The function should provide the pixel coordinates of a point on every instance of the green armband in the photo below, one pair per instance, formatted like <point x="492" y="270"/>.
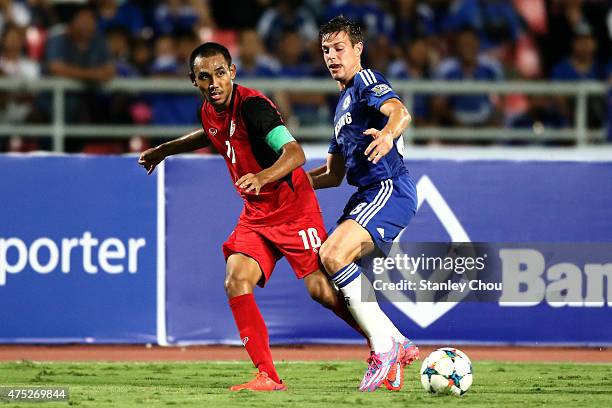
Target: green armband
<point x="278" y="137"/>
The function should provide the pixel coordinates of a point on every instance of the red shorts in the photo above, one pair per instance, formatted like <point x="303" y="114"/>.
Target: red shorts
<point x="298" y="241"/>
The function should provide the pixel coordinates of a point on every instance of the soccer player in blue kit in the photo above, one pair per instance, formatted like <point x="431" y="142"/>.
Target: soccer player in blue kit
<point x="367" y="148"/>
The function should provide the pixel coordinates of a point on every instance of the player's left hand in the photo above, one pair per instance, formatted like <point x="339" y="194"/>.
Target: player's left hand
<point x="382" y="144"/>
<point x="250" y="182"/>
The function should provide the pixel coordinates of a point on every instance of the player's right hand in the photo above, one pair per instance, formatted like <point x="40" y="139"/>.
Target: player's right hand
<point x="150" y="158"/>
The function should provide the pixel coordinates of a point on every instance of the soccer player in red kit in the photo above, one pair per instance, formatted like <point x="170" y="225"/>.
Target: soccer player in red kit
<point x="281" y="215"/>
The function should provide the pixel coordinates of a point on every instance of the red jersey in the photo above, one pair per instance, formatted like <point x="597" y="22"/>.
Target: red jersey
<point x="239" y="135"/>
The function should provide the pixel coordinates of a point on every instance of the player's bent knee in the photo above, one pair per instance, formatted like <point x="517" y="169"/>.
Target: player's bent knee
<point x="241" y="275"/>
<point x="333" y="258"/>
<point x="240" y="278"/>
<point x="236" y="286"/>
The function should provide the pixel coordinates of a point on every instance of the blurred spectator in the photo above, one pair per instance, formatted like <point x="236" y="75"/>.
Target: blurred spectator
<point x="141" y="56"/>
<point x="43" y="16"/>
<point x="378" y="53"/>
<point x="14" y="64"/>
<point x="299" y="108"/>
<point x="367" y="13"/>
<point x="564" y="18"/>
<point x="186" y="41"/>
<point x="43" y="13"/>
<point x="173" y="16"/>
<point x="169" y="108"/>
<point x="243" y="13"/>
<point x="414" y="64"/>
<point x="119" y="103"/>
<point x="558" y="39"/>
<point x="286" y="16"/>
<point x="80" y="53"/>
<point x="16" y="107"/>
<point x="165" y="62"/>
<point x="582" y="65"/>
<point x="422" y="19"/>
<point x="467" y="110"/>
<point x="413" y="19"/>
<point x="114" y="13"/>
<point x="292" y="56"/>
<point x="204" y="14"/>
<point x="14" y="12"/>
<point x="496" y="21"/>
<point x="118" y="40"/>
<point x="541" y="114"/>
<point x="253" y="61"/>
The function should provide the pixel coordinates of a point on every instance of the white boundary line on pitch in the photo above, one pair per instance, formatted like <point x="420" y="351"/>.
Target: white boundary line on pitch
<point x="162" y="339"/>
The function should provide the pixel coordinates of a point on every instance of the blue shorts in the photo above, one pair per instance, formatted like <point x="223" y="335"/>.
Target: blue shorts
<point x="383" y="209"/>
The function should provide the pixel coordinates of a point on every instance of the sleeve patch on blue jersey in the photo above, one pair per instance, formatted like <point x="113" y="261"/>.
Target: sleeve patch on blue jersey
<point x="381" y="89"/>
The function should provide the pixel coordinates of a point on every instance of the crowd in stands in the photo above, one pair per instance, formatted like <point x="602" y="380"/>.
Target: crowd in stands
<point x="489" y="40"/>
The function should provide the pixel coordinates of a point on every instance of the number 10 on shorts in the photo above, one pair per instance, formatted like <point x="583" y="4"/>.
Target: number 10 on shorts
<point x="310" y="238"/>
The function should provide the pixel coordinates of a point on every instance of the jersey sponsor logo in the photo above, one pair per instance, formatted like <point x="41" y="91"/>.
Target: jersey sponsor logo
<point x="344" y="120"/>
<point x="347" y="102"/>
<point x="381" y="89"/>
<point x="212" y="131"/>
<point x="232" y="128"/>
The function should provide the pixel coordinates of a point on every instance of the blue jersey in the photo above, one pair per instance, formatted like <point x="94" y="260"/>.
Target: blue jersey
<point x="358" y="109"/>
<point x="474" y="109"/>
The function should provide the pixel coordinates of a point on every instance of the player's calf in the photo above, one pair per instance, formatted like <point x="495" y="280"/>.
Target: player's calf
<point x="320" y="290"/>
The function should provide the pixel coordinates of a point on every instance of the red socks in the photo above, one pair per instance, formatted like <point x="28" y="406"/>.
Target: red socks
<point x="253" y="333"/>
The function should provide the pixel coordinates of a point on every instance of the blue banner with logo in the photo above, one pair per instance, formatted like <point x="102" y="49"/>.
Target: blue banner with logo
<point x="477" y="201"/>
<point x="78" y="253"/>
<point x="77" y="250"/>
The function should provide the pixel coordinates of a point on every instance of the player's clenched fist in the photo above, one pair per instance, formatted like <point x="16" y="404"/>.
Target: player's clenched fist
<point x="250" y="182"/>
<point x="150" y="158"/>
<point x="382" y="144"/>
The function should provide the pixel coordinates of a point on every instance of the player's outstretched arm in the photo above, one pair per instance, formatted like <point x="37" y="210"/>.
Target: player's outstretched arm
<point x="150" y="158"/>
<point x="330" y="174"/>
<point x="292" y="157"/>
<point x="399" y="118"/>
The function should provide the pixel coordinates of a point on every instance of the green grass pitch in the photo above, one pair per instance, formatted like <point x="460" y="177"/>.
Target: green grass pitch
<point x="311" y="384"/>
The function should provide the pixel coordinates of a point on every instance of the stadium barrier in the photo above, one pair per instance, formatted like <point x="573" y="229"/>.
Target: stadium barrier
<point x="59" y="130"/>
<point x="93" y="250"/>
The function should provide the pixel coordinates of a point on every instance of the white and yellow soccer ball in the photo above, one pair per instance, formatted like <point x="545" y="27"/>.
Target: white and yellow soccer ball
<point x="447" y="371"/>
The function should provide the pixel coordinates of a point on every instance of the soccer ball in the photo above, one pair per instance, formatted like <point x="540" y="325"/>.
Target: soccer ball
<point x="447" y="371"/>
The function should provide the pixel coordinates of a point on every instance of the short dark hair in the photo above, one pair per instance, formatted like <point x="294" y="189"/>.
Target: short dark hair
<point x="209" y="49"/>
<point x="342" y="24"/>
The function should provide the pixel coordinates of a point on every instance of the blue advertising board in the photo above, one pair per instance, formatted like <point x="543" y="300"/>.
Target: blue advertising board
<point x="486" y="201"/>
<point x="77" y="250"/>
<point x="79" y="260"/>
